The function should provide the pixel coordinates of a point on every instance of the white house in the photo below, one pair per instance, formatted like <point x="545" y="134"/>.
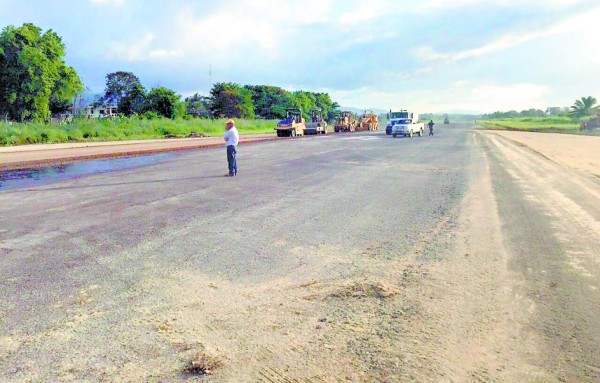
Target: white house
<point x="100" y="111"/>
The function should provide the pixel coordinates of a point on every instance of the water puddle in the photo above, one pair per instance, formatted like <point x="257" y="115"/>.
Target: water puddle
<point x="26" y="178"/>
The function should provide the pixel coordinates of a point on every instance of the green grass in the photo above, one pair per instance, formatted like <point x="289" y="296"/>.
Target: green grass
<point x="122" y="129"/>
<point x="534" y="124"/>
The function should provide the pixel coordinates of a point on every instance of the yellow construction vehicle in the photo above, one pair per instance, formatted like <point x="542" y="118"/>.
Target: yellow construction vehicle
<point x="317" y="124"/>
<point x="293" y="125"/>
<point x="346" y="122"/>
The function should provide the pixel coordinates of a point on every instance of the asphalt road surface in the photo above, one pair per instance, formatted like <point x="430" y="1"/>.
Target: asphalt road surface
<point x="354" y="257"/>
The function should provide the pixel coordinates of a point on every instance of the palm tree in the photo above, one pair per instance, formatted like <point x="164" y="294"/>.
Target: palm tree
<point x="584" y="107"/>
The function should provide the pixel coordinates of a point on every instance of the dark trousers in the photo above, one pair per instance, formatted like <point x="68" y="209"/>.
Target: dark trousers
<point x="431" y="131"/>
<point x="232" y="159"/>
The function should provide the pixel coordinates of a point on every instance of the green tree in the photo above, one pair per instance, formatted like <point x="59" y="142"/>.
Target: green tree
<point x="305" y="101"/>
<point x="584" y="107"/>
<point x="532" y="113"/>
<point x="269" y="101"/>
<point x="165" y="102"/>
<point x="557" y="111"/>
<point x="264" y="101"/>
<point x="33" y="74"/>
<point x="125" y="90"/>
<point x="231" y="100"/>
<point x="330" y="108"/>
<point x="197" y="105"/>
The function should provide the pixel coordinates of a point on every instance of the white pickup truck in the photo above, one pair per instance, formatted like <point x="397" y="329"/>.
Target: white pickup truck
<point x="406" y="124"/>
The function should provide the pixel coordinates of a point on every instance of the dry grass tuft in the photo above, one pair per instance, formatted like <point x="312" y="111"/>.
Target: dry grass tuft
<point x="379" y="290"/>
<point x="202" y="364"/>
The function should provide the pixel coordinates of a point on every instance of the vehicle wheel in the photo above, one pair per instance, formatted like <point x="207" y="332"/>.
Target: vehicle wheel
<point x="278" y="133"/>
<point x="394" y="135"/>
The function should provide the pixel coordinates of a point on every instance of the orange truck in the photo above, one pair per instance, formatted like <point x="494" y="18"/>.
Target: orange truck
<point x="369" y="121"/>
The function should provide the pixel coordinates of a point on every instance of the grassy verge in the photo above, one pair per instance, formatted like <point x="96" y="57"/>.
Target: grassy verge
<point x="122" y="129"/>
<point x="534" y="124"/>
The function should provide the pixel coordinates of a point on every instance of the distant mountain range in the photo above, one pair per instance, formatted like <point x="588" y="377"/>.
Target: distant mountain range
<point x="384" y="111"/>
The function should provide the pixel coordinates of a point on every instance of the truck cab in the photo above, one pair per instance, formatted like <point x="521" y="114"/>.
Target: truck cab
<point x="405" y="123"/>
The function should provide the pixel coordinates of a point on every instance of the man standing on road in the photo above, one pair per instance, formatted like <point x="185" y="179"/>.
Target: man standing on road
<point x="431" y="123"/>
<point x="231" y="137"/>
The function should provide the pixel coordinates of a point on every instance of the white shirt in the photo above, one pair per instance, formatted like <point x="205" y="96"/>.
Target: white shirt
<point x="232" y="137"/>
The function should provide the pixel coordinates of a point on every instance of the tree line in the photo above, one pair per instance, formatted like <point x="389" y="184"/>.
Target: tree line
<point x="125" y="90"/>
<point x="263" y="101"/>
<point x="582" y="108"/>
<point x="36" y="83"/>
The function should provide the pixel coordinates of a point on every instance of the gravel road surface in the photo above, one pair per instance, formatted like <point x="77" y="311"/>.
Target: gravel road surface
<point x="462" y="257"/>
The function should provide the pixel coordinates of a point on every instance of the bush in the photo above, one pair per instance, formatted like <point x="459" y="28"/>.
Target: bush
<point x="118" y="129"/>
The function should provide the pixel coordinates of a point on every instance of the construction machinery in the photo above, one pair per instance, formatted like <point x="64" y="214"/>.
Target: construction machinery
<point x="293" y="125"/>
<point x="369" y="121"/>
<point x="346" y="122"/>
<point x="317" y="124"/>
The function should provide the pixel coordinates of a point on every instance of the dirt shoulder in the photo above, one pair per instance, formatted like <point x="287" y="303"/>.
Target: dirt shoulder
<point x="550" y="218"/>
<point x="17" y="157"/>
<point x="578" y="152"/>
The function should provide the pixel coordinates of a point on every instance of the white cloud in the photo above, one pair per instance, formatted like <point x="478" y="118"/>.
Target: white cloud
<point x="115" y="2"/>
<point x="254" y="28"/>
<point x="587" y="22"/>
<point x="444" y="5"/>
<point x="131" y="51"/>
<point x="365" y="12"/>
<point x="482" y="98"/>
<point x="162" y="53"/>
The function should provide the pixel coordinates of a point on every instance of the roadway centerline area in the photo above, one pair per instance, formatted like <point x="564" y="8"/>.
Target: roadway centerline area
<point x="354" y="256"/>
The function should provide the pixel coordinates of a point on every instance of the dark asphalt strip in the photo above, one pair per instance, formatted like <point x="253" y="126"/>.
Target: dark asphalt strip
<point x="119" y="229"/>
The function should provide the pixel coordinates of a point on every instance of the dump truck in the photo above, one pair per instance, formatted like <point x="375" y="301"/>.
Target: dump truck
<point x="317" y="124"/>
<point x="369" y="121"/>
<point x="293" y="125"/>
<point x="405" y="123"/>
<point x="346" y="122"/>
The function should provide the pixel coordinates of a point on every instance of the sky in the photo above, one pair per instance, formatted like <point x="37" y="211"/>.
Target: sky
<point x="438" y="56"/>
